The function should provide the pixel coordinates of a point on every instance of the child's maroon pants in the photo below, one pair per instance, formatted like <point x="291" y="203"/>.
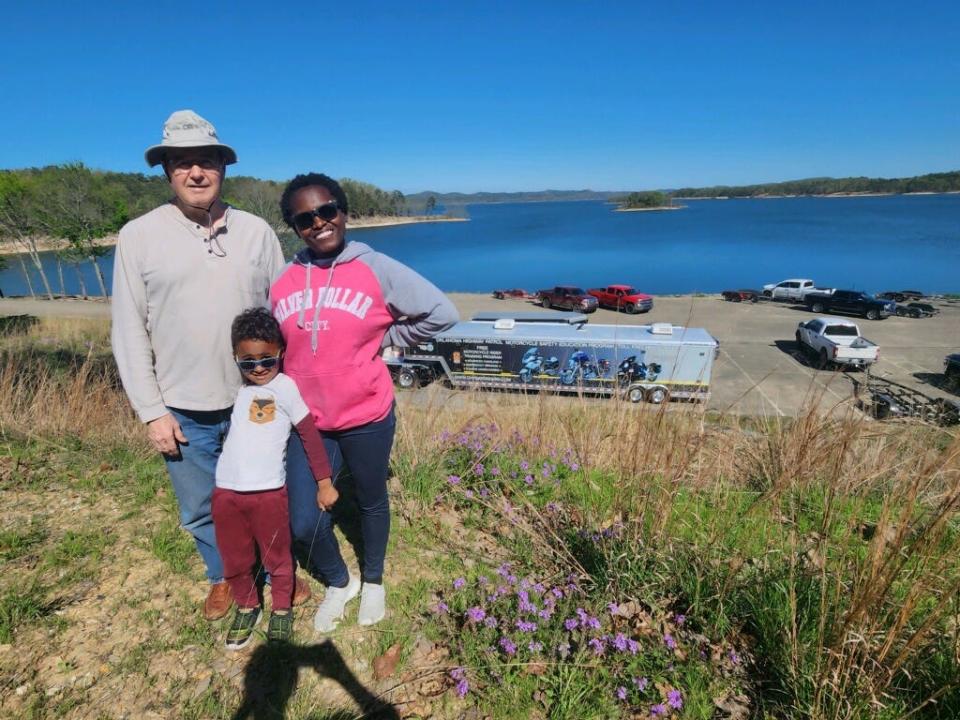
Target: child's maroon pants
<point x="244" y="521"/>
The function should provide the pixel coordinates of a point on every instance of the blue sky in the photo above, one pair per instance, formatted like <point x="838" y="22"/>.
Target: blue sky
<point x="471" y="96"/>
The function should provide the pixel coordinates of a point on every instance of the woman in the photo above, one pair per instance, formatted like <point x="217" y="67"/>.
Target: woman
<point x="339" y="304"/>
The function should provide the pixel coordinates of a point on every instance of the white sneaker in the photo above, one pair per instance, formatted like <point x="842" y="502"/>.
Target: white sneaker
<point x="331" y="609"/>
<point x="373" y="604"/>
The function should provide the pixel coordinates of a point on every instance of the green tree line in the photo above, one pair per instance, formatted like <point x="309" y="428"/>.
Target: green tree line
<point x="933" y="182"/>
<point x="69" y="207"/>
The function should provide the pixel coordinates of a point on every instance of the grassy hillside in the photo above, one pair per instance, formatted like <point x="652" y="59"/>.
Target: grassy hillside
<point x="550" y="558"/>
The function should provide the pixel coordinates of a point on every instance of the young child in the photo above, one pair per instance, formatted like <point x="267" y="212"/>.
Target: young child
<point x="250" y="499"/>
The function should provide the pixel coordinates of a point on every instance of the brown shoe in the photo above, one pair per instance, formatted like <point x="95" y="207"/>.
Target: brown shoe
<point x="219" y="601"/>
<point x="301" y="591"/>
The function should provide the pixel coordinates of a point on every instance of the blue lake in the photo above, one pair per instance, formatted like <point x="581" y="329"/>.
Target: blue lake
<point x="870" y="243"/>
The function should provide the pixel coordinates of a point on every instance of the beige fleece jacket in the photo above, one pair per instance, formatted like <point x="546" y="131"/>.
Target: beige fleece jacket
<point x="175" y="294"/>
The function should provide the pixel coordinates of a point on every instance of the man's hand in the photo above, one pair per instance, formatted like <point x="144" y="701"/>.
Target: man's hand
<point x="165" y="433"/>
<point x="326" y="494"/>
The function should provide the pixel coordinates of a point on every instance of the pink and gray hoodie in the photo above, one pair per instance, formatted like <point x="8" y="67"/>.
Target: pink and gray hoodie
<point x="337" y="314"/>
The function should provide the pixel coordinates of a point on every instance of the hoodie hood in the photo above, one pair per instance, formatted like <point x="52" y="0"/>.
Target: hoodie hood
<point x="350" y="251"/>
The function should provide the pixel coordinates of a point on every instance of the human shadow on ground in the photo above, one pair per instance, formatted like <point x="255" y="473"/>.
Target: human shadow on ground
<point x="16" y="324"/>
<point x="938" y="380"/>
<point x="273" y="673"/>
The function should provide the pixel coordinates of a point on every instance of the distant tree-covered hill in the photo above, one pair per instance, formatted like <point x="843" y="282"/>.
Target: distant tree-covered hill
<point x="421" y="200"/>
<point x="934" y="182"/>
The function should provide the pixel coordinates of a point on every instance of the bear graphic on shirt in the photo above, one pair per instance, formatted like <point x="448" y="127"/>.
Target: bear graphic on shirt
<point x="263" y="410"/>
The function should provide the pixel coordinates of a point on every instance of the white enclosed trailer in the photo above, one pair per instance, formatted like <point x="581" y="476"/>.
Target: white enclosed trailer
<point x="562" y="352"/>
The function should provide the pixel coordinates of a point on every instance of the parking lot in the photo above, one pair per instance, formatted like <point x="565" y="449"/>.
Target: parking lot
<point x="760" y="370"/>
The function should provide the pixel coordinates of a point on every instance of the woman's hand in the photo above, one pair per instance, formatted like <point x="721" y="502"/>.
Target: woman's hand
<point x="327" y="494"/>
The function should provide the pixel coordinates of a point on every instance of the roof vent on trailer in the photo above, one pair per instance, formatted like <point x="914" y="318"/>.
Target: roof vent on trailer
<point x="661" y="329"/>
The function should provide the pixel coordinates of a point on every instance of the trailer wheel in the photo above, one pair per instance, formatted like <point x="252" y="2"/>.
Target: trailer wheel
<point x="545" y="302"/>
<point x="407" y="379"/>
<point x="817" y="307"/>
<point x="657" y="395"/>
<point x="873" y="314"/>
<point x="635" y="394"/>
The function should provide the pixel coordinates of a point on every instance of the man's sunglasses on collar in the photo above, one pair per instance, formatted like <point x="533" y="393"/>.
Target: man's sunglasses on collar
<point x="326" y="212"/>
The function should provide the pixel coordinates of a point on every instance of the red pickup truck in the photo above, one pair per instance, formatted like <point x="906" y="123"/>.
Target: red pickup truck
<point x="568" y="297"/>
<point x="623" y="297"/>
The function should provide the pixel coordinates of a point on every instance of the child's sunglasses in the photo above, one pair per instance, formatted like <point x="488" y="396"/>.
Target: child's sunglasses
<point x="326" y="212"/>
<point x="267" y="363"/>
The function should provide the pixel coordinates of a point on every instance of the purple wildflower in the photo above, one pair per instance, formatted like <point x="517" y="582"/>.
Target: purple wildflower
<point x="675" y="699"/>
<point x="669" y="641"/>
<point x="641" y="683"/>
<point x="476" y="614"/>
<point x="524" y="465"/>
<point x="597" y="645"/>
<point x="613" y="608"/>
<point x="508" y="646"/>
<point x="442" y="608"/>
<point x="528" y="479"/>
<point x="620" y="642"/>
<point x="458" y="673"/>
<point x="490" y="621"/>
<point x="621" y="693"/>
<point x="534" y="646"/>
<point x="658" y="709"/>
<point x="574" y="467"/>
<point x="538" y="588"/>
<point x="482" y="580"/>
<point x="504" y="570"/>
<point x="557" y="593"/>
<point x="478" y="469"/>
<point x="468" y="494"/>
<point x="734" y="658"/>
<point x="633" y="646"/>
<point x="494" y="471"/>
<point x="546" y="613"/>
<point x="484" y="492"/>
<point x="680" y="619"/>
<point x="552" y="507"/>
<point x="593" y="622"/>
<point x="453" y="479"/>
<point x="463" y="687"/>
<point x="459" y="583"/>
<point x="570" y="624"/>
<point x="524" y="626"/>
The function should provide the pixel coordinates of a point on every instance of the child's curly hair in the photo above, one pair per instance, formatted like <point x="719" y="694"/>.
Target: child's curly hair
<point x="255" y="324"/>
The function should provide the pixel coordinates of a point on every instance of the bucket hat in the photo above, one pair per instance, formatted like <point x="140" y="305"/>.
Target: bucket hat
<point x="186" y="129"/>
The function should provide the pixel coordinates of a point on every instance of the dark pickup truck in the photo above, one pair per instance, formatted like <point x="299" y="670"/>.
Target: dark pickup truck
<point x="854" y="302"/>
<point x="569" y="297"/>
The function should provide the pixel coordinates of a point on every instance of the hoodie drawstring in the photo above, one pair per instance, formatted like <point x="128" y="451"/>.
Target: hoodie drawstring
<point x="316" y="307"/>
<point x="303" y="305"/>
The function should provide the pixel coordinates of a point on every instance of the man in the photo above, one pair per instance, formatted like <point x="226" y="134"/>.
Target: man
<point x="182" y="272"/>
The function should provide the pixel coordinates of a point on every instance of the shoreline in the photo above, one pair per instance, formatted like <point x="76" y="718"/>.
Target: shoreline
<point x="12" y="248"/>
<point x="767" y="196"/>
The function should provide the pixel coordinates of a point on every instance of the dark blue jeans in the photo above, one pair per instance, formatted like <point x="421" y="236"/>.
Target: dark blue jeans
<point x="192" y="474"/>
<point x="365" y="451"/>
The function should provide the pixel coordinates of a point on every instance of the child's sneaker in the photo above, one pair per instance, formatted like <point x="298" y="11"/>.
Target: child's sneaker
<point x="373" y="604"/>
<point x="280" y="628"/>
<point x="331" y="609"/>
<point x="241" y="631"/>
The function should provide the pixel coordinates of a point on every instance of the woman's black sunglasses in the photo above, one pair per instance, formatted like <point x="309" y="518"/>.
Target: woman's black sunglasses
<point x="266" y="363"/>
<point x="326" y="212"/>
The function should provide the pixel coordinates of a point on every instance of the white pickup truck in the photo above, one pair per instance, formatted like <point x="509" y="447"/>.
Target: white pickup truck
<point x="836" y="342"/>
<point x="795" y="289"/>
